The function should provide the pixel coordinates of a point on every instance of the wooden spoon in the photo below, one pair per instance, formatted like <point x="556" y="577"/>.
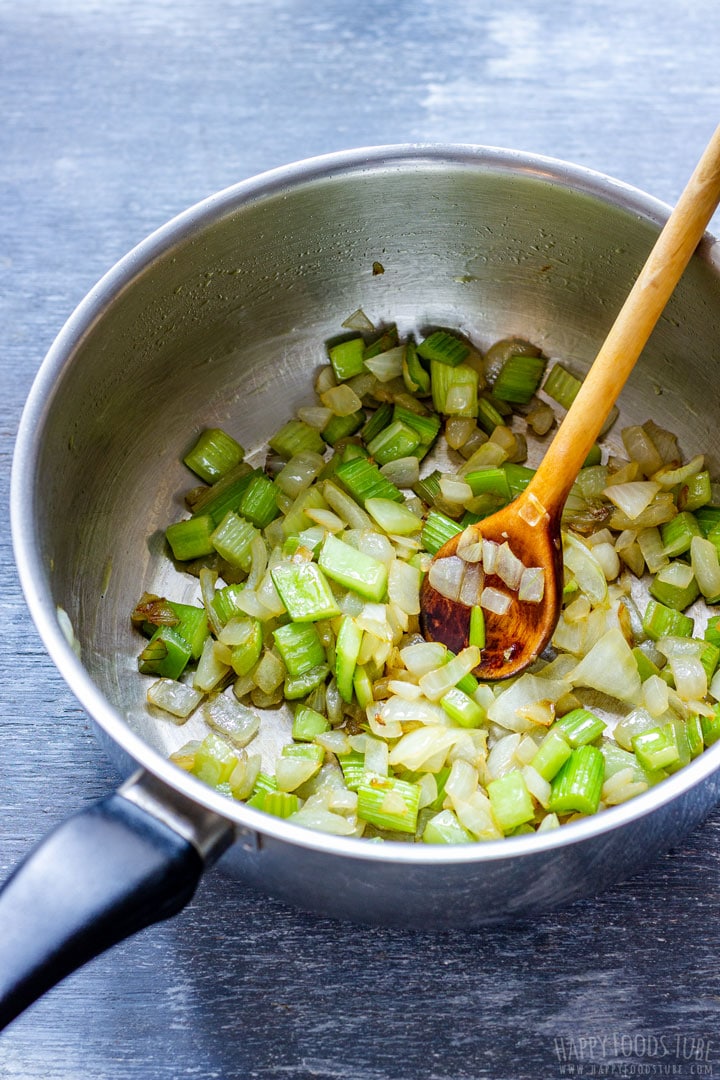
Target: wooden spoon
<point x="531" y="524"/>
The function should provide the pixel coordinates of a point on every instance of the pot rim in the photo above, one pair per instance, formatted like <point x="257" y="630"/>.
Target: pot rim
<point x="28" y="557"/>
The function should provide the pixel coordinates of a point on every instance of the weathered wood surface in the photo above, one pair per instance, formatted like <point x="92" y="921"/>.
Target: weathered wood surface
<point x="115" y="117"/>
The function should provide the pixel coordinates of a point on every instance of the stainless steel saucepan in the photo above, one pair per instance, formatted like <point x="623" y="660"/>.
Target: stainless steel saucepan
<point x="219" y="318"/>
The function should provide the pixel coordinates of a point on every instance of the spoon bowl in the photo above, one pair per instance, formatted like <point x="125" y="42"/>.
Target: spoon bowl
<point x="531" y="526"/>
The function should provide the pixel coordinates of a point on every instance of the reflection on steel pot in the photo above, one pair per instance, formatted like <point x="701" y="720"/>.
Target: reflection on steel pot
<point x="218" y="319"/>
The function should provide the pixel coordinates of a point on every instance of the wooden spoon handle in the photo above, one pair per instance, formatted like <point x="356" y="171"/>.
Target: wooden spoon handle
<point x="630" y="331"/>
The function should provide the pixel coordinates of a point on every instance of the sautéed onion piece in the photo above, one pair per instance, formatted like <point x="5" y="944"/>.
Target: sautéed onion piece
<point x="309" y="564"/>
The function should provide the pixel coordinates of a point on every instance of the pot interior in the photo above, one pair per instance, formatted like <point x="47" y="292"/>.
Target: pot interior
<point x="221" y="320"/>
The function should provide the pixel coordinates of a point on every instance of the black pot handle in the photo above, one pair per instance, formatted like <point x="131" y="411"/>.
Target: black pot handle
<point x="97" y="878"/>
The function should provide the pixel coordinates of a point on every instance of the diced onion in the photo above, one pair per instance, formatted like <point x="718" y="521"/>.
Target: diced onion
<point x="493" y="600"/>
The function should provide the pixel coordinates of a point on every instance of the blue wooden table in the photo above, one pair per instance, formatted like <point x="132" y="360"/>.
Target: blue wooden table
<point x="113" y="117"/>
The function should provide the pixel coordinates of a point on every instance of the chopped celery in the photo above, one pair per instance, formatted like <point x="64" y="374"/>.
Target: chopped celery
<point x="389" y="804"/>
<point x="519" y="378"/>
<point x="711" y="727"/>
<point x="363" y="480"/>
<point x="259" y="502"/>
<point x="415" y="377"/>
<point x="393" y="442"/>
<point x="353" y="569"/>
<point x="577" y="786"/>
<point x="233" y="538"/>
<point x="580" y="726"/>
<point x="476" y="635"/>
<point x="225" y="494"/>
<point x="347" y="358"/>
<point x="167" y="653"/>
<point x="347" y="650"/>
<point x="462" y="709"/>
<point x="677" y="533"/>
<point x="245" y="652"/>
<point x="660" y="621"/>
<point x="214" y="454"/>
<point x="562" y="386"/>
<point x="656" y="747"/>
<point x="353" y="767"/>
<point x="488" y="416"/>
<point x="553" y="752"/>
<point x="437" y="530"/>
<point x="225" y="602"/>
<point x="304" y="591"/>
<point x="444" y="348"/>
<point x="307" y="723"/>
<point x="300" y="647"/>
<point x="377" y="422"/>
<point x="454" y="389"/>
<point x="215" y="760"/>
<point x="444" y="828"/>
<point x="342" y="427"/>
<point x="492" y="480"/>
<point x="299" y="686"/>
<point x="278" y="803"/>
<point x="511" y="801"/>
<point x="294" y="437"/>
<point x="191" y="538"/>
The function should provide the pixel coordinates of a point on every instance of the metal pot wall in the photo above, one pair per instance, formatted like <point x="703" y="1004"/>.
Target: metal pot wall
<point x="219" y="318"/>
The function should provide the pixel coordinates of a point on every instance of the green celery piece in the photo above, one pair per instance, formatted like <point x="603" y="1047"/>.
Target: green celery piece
<point x="576" y="788"/>
<point x="444" y="828"/>
<point x="353" y="569"/>
<point x="694" y="735"/>
<point x="305" y="592"/>
<point x="428" y="488"/>
<point x="300" y="646"/>
<point x="580" y="727"/>
<point x="454" y="389"/>
<point x="192" y="625"/>
<point x="308" y="751"/>
<point x="215" y="760"/>
<point x="444" y="348"/>
<point x="697" y="492"/>
<point x="646" y="667"/>
<point x="278" y="803"/>
<point x="377" y="422"/>
<point x="427" y="425"/>
<point x="656" y="748"/>
<point x="415" y="377"/>
<point x="489" y="481"/>
<point x="518" y="477"/>
<point x="342" y="427"/>
<point x="166" y="654"/>
<point x="660" y="621"/>
<point x="476" y="634"/>
<point x="224" y="602"/>
<point x="519" y="378"/>
<point x="214" y="454"/>
<point x="594" y="456"/>
<point x="307" y="724"/>
<point x="395" y="441"/>
<point x="191" y="538"/>
<point x="462" y="709"/>
<point x="682" y="742"/>
<point x="711" y="727"/>
<point x="387" y="340"/>
<point x="245" y="654"/>
<point x="232" y="539"/>
<point x="488" y="416"/>
<point x="295" y="436"/>
<point x="353" y="767"/>
<point x="712" y="630"/>
<point x="437" y="530"/>
<point x="552" y="753"/>
<point x="441" y="779"/>
<point x="674" y="596"/>
<point x="363" y="480"/>
<point x="225" y="494"/>
<point x="677" y="533"/>
<point x="299" y="686"/>
<point x="511" y="801"/>
<point x="709" y="657"/>
<point x="363" y="687"/>
<point x="347" y="650"/>
<point x="708" y="518"/>
<point x="347" y="358"/>
<point x="562" y="386"/>
<point x="263" y="783"/>
<point x="296" y="520"/>
<point x="259" y="502"/>
<point x="372" y="804"/>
